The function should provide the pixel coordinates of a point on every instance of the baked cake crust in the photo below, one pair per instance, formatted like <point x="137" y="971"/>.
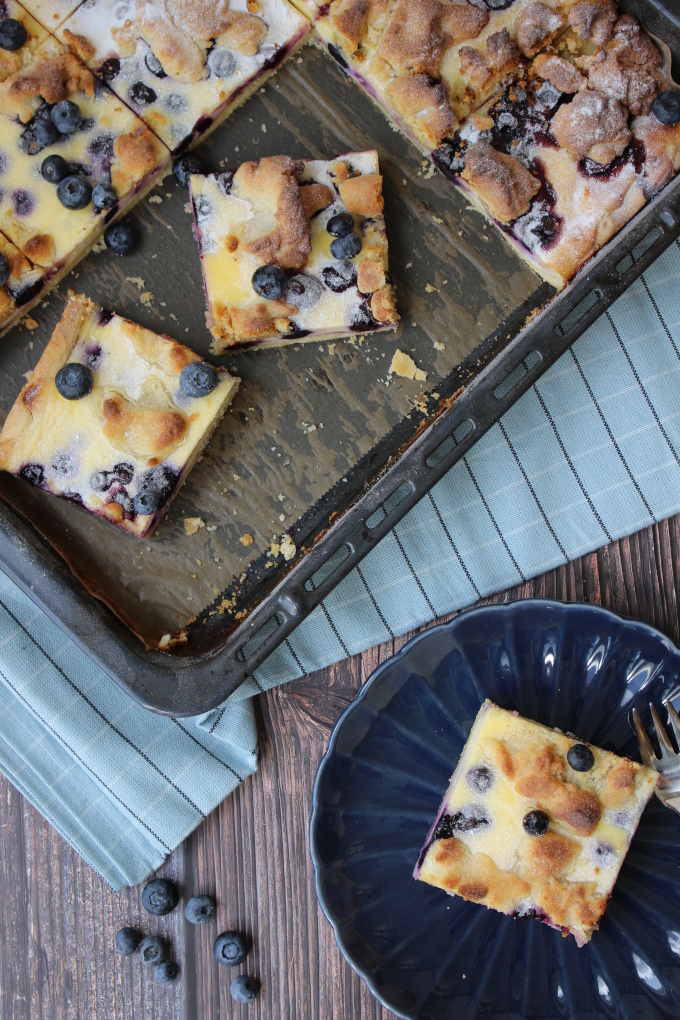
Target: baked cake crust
<point x="275" y="212"/>
<point x="526" y="829"/>
<point x="135" y="429"/>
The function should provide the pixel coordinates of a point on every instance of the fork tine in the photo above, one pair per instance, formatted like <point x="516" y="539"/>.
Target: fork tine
<point x="664" y="742"/>
<point x="646" y="749"/>
<point x="674" y="719"/>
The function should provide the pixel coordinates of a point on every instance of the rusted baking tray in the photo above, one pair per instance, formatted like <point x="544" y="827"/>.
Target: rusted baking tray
<point x="321" y="443"/>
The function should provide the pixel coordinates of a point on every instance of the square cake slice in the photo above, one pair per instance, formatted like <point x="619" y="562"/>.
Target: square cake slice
<point x="55" y="219"/>
<point x="293" y="249"/>
<point x="535" y="823"/>
<point x="428" y="63"/>
<point x="567" y="152"/>
<point x="183" y="65"/>
<point x="113" y="416"/>
<point x="51" y="13"/>
<point x="21" y="284"/>
<point x="20" y="35"/>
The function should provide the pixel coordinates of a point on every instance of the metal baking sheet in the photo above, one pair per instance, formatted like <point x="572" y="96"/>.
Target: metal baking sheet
<point x="316" y="428"/>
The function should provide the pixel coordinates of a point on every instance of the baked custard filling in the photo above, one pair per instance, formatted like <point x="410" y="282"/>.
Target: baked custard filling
<point x="293" y="249"/>
<point x="535" y="823"/>
<point x="113" y="417"/>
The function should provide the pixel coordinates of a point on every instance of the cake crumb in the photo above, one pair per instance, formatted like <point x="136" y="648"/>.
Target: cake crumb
<point x="165" y="641"/>
<point x="155" y="199"/>
<point x="146" y="298"/>
<point x="246" y="539"/>
<point x="439" y="346"/>
<point x="429" y="288"/>
<point x="137" y="281"/>
<point x="99" y="245"/>
<point x="211" y="527"/>
<point x="30" y="323"/>
<point x="274" y="549"/>
<point x="404" y="365"/>
<point x="287" y="547"/>
<point x="192" y="524"/>
<point x="331" y="349"/>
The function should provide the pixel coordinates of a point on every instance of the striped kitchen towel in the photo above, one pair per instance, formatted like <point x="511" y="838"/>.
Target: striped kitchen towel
<point x="589" y="454"/>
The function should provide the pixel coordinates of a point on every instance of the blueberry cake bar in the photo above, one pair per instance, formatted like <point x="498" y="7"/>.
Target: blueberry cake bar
<point x="113" y="417"/>
<point x="20" y="35"/>
<point x="183" y="65"/>
<point x="535" y="823"/>
<point x="428" y="63"/>
<point x="72" y="156"/>
<point x="293" y="249"/>
<point x="51" y="13"/>
<point x="20" y="283"/>
<point x="571" y="148"/>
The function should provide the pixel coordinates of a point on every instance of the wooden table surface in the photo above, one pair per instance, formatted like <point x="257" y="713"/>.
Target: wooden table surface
<point x="58" y="919"/>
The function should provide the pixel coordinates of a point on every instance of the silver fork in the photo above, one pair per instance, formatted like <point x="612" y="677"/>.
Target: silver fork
<point x="668" y="764"/>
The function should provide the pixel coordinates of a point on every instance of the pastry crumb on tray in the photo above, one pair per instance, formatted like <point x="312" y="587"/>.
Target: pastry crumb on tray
<point x="403" y="365"/>
<point x="293" y="249"/>
<point x="535" y="823"/>
<point x="113" y="417"/>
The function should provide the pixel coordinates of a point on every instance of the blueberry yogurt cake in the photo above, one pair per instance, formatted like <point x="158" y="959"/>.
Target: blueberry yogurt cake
<point x="293" y="249"/>
<point x="113" y="417"/>
<point x="72" y="156"/>
<point x="535" y="823"/>
<point x="20" y="283"/>
<point x="20" y="35"/>
<point x="183" y="65"/>
<point x="575" y="143"/>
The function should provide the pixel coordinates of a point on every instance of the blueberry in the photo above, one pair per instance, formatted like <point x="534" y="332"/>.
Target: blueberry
<point x="230" y="948"/>
<point x="45" y="133"/>
<point x="199" y="909"/>
<point x="339" y="278"/>
<point x="28" y="143"/>
<point x="100" y="481"/>
<point x="340" y="225"/>
<point x="44" y="112"/>
<point x="154" y="65"/>
<point x="580" y="757"/>
<point x="153" y="951"/>
<point x="536" y="823"/>
<point x="141" y="94"/>
<point x="166" y="972"/>
<point x="198" y="379"/>
<point x="33" y="474"/>
<point x="203" y="207"/>
<point x="110" y="69"/>
<point x="479" y="778"/>
<point x="469" y="818"/>
<point x="13" y="34"/>
<point x="498" y="5"/>
<point x="666" y="107"/>
<point x="74" y="192"/>
<point x="222" y="63"/>
<point x="244" y="988"/>
<point x="23" y="202"/>
<point x="184" y="166"/>
<point x="304" y="291"/>
<point x="127" y="941"/>
<point x="66" y="116"/>
<point x="346" y="247"/>
<point x="64" y="464"/>
<point x="123" y="473"/>
<point x="270" y="282"/>
<point x="160" y="896"/>
<point x="74" y="381"/>
<point x="104" y="196"/>
<point x="4" y="270"/>
<point x="147" y="501"/>
<point x="225" y="181"/>
<point x="54" y="169"/>
<point x="120" y="238"/>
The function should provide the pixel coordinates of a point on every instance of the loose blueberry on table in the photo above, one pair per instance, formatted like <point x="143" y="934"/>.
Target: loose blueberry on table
<point x="127" y="941"/>
<point x="244" y="989"/>
<point x="199" y="909"/>
<point x="120" y="238"/>
<point x="160" y="896"/>
<point x="153" y="951"/>
<point x="230" y="948"/>
<point x="166" y="972"/>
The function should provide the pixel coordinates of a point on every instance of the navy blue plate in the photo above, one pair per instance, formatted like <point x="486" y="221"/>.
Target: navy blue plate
<point x="430" y="956"/>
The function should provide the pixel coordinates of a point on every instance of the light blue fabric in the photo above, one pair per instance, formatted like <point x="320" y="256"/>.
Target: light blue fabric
<point x="589" y="454"/>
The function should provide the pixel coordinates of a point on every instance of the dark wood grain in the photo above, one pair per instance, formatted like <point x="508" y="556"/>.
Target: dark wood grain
<point x="58" y="919"/>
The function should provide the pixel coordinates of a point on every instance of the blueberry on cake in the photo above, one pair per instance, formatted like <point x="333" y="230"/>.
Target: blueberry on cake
<point x="293" y="249"/>
<point x="573" y="145"/>
<point x="72" y="156"/>
<point x="113" y="417"/>
<point x="183" y="65"/>
<point x="535" y="823"/>
<point x="20" y="284"/>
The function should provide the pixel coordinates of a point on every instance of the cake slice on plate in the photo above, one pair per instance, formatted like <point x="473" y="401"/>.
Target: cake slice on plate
<point x="113" y="417"/>
<point x="183" y="65"/>
<point x="293" y="249"/>
<point x="535" y="823"/>
<point x="72" y="157"/>
<point x="20" y="284"/>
